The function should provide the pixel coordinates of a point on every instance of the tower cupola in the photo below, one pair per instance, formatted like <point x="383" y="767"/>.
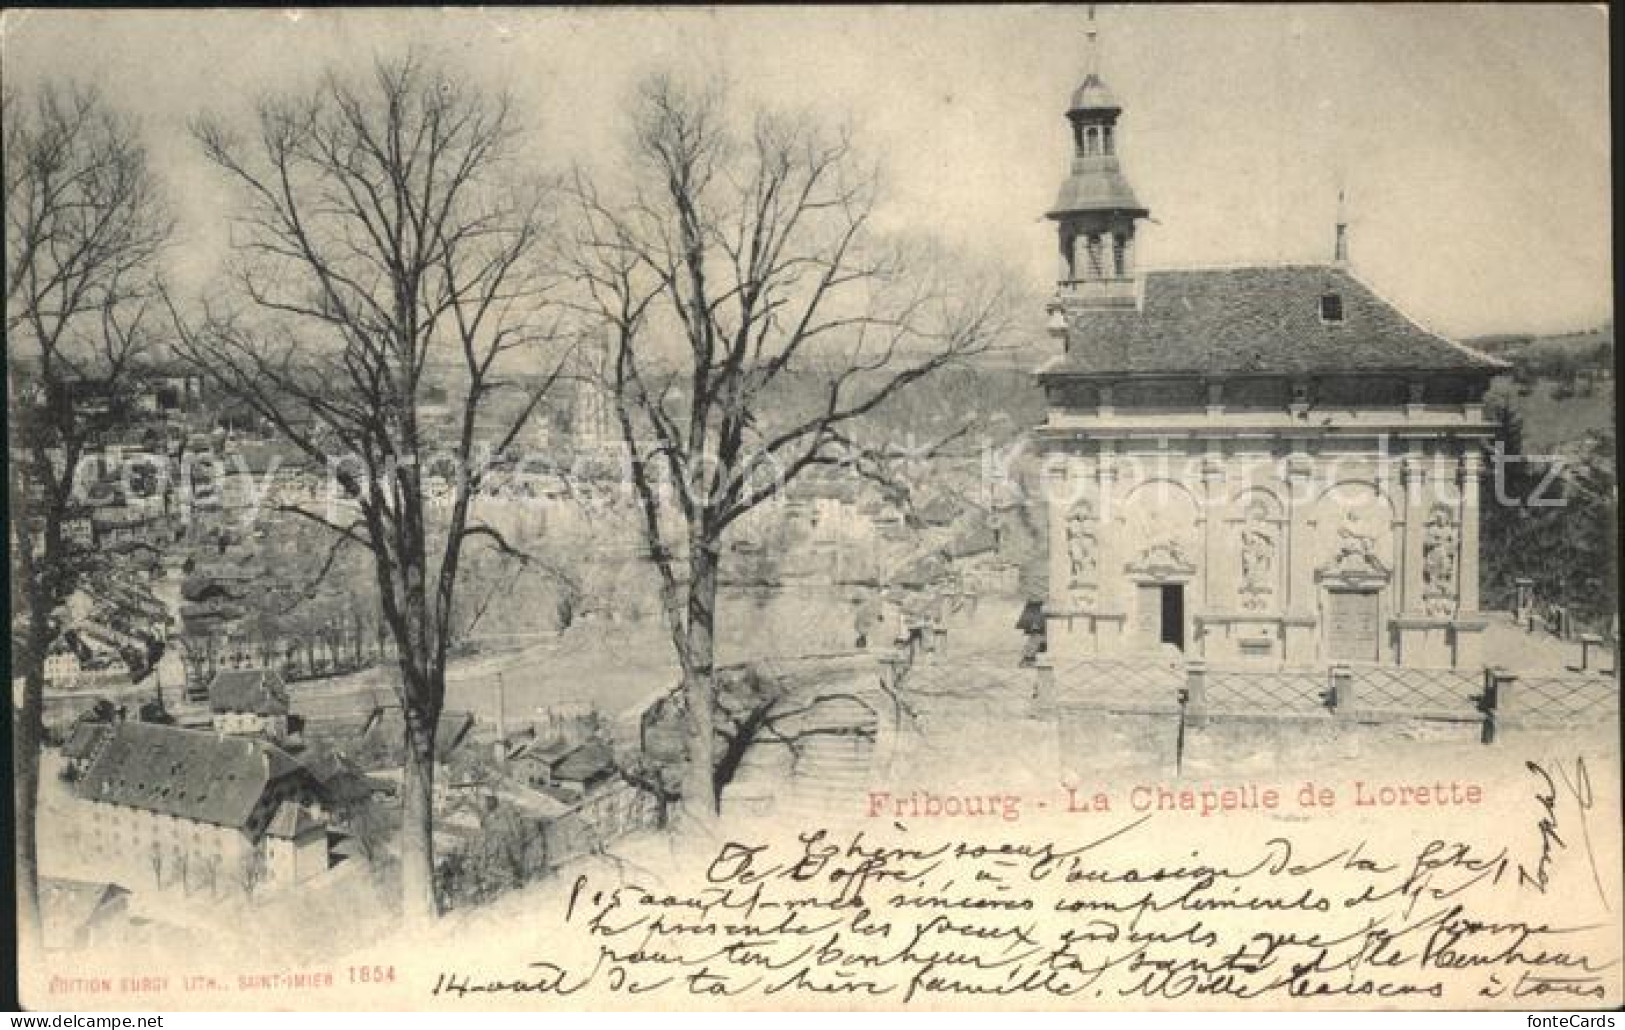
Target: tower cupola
<point x="1096" y="209"/>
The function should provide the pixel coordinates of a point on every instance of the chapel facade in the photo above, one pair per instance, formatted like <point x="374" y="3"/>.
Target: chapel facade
<point x="1267" y="466"/>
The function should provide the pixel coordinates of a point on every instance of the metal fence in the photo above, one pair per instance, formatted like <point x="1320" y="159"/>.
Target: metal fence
<point x="1549" y="701"/>
<point x="1439" y="693"/>
<point x="1298" y="692"/>
<point x="1496" y="698"/>
<point x="1110" y="684"/>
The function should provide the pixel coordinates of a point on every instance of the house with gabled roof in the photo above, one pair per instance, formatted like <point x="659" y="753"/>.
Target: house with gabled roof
<point x="84" y="744"/>
<point x="1267" y="465"/>
<point x="200" y="811"/>
<point x="76" y="914"/>
<point x="249" y="702"/>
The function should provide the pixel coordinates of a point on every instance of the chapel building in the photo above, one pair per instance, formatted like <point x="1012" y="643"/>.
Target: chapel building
<point x="1268" y="466"/>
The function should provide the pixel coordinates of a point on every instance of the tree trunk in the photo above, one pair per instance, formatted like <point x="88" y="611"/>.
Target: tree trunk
<point x="700" y="801"/>
<point x="418" y="901"/>
<point x="25" y="774"/>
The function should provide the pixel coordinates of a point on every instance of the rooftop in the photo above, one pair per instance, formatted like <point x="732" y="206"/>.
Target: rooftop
<point x="1095" y="183"/>
<point x="388" y="723"/>
<point x="68" y="907"/>
<point x="87" y="737"/>
<point x="260" y="691"/>
<point x="586" y="763"/>
<point x="190" y="774"/>
<point x="1264" y="320"/>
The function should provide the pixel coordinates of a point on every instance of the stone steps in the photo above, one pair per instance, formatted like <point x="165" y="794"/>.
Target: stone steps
<point x="831" y="773"/>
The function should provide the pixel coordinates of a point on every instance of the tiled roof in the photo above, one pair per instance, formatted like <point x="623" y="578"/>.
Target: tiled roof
<point x="549" y="754"/>
<point x="260" y="691"/>
<point x="342" y="780"/>
<point x="187" y="773"/>
<point x="1257" y="320"/>
<point x="534" y="802"/>
<point x="585" y="763"/>
<point x="87" y="737"/>
<point x="453" y="728"/>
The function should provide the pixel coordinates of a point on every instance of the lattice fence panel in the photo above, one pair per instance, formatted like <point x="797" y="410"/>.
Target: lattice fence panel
<point x="1119" y="682"/>
<point x="1561" y="700"/>
<point x="1262" y="692"/>
<point x="1402" y="689"/>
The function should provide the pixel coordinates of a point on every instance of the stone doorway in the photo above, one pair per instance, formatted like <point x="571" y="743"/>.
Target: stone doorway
<point x="1172" y="602"/>
<point x="1352" y="626"/>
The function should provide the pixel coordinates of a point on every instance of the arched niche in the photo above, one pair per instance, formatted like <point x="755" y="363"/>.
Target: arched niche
<point x="1157" y="522"/>
<point x="1352" y="513"/>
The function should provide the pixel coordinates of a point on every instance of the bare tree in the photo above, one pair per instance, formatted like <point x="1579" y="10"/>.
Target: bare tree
<point x="84" y="224"/>
<point x="387" y="244"/>
<point x="755" y="318"/>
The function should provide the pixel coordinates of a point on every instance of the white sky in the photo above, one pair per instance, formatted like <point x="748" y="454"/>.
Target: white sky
<point x="1473" y="141"/>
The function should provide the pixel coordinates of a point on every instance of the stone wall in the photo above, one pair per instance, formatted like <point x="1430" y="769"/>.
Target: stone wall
<point x="1257" y="536"/>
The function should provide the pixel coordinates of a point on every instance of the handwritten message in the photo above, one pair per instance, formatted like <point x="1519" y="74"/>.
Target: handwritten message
<point x="1117" y="913"/>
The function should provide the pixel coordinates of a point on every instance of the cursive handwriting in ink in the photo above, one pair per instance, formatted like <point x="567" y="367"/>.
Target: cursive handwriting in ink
<point x="828" y="919"/>
<point x="1546" y="796"/>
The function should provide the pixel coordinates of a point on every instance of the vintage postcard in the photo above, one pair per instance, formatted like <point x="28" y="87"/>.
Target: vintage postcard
<point x="894" y="508"/>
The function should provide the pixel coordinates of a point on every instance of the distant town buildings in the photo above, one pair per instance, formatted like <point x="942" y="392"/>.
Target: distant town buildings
<point x="249" y="702"/>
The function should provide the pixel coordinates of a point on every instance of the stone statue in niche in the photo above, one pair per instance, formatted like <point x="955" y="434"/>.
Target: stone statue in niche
<point x="1355" y="561"/>
<point x="1439" y="540"/>
<point x="1257" y="566"/>
<point x="1352" y="541"/>
<point x="1081" y="544"/>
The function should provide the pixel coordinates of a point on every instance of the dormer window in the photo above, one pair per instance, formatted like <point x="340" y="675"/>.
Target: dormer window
<point x="1331" y="308"/>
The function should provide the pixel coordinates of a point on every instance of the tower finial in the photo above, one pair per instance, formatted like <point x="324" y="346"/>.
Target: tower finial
<point x="1340" y="251"/>
<point x="1092" y="65"/>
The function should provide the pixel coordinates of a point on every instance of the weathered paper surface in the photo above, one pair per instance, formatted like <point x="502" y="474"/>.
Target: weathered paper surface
<point x="1202" y="794"/>
<point x="1338" y="896"/>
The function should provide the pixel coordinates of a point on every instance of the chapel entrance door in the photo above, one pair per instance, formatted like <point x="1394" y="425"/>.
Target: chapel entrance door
<point x="1352" y="625"/>
<point x="1173" y="615"/>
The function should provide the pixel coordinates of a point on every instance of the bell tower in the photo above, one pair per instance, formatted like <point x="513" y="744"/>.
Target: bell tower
<point x="1096" y="211"/>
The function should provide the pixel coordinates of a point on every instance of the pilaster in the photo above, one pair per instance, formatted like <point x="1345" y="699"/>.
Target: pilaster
<point x="1468" y="631"/>
<point x="1299" y="605"/>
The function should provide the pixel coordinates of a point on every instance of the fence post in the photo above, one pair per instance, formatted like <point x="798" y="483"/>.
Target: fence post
<point x="1587" y="642"/>
<point x="1196" y="693"/>
<point x="1342" y="691"/>
<point x="1043" y="683"/>
<point x="1498" y="691"/>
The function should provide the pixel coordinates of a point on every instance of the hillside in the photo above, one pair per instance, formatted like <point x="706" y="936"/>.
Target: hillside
<point x="1552" y="421"/>
<point x="1556" y="356"/>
